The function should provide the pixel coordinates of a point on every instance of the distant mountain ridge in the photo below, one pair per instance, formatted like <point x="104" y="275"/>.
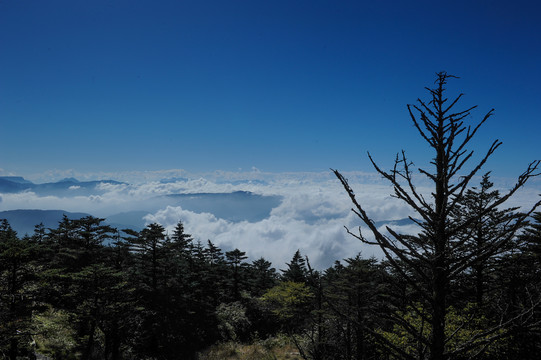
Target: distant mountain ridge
<point x="234" y="206"/>
<point x="16" y="179"/>
<point x="67" y="186"/>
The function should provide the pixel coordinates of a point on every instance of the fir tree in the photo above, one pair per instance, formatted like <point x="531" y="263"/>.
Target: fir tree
<point x="428" y="262"/>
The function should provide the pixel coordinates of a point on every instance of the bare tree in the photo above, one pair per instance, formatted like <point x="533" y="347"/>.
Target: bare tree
<point x="429" y="261"/>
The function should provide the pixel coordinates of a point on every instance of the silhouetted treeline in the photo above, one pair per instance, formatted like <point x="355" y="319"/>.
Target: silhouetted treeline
<point x="85" y="290"/>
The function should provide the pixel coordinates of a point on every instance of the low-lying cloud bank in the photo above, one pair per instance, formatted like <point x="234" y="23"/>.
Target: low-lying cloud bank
<point x="310" y="214"/>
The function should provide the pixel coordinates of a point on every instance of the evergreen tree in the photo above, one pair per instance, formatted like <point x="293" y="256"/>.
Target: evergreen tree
<point x="180" y="241"/>
<point x="17" y="294"/>
<point x="118" y="300"/>
<point x="431" y="261"/>
<point x="39" y="233"/>
<point x="531" y="244"/>
<point x="519" y="285"/>
<point x="84" y="281"/>
<point x="213" y="276"/>
<point x="355" y="295"/>
<point x="237" y="268"/>
<point x="296" y="269"/>
<point x="149" y="280"/>
<point x="263" y="276"/>
<point x="485" y="238"/>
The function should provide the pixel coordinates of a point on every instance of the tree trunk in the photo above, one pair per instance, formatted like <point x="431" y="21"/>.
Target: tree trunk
<point x="90" y="343"/>
<point x="437" y="346"/>
<point x="439" y="277"/>
<point x="13" y="348"/>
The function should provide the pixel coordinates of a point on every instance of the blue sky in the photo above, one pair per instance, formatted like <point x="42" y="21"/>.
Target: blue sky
<point x="277" y="85"/>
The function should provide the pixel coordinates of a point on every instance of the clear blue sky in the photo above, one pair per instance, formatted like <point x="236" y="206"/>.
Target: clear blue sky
<point x="279" y="85"/>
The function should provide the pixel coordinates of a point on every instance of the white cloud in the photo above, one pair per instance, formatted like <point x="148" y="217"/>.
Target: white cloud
<point x="311" y="216"/>
<point x="275" y="238"/>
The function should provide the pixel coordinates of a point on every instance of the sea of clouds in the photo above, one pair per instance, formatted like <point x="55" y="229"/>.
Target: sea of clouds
<point x="311" y="216"/>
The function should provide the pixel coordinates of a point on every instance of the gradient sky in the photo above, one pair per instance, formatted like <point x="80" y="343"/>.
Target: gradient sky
<point x="277" y="85"/>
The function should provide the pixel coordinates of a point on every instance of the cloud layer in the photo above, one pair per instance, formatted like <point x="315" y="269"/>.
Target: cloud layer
<point x="311" y="215"/>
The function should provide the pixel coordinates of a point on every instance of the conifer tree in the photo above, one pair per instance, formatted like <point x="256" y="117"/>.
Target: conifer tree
<point x="296" y="271"/>
<point x="148" y="275"/>
<point x="263" y="276"/>
<point x="237" y="267"/>
<point x="531" y="242"/>
<point x="487" y="229"/>
<point x="431" y="261"/>
<point x="354" y="294"/>
<point x="86" y="281"/>
<point x="17" y="274"/>
<point x="214" y="279"/>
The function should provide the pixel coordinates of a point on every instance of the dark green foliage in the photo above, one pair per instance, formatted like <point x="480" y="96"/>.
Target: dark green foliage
<point x="355" y="295"/>
<point x="86" y="282"/>
<point x="484" y="239"/>
<point x="297" y="270"/>
<point x="262" y="276"/>
<point x="238" y="272"/>
<point x="87" y="291"/>
<point x="17" y="275"/>
<point x="519" y="280"/>
<point x="531" y="245"/>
